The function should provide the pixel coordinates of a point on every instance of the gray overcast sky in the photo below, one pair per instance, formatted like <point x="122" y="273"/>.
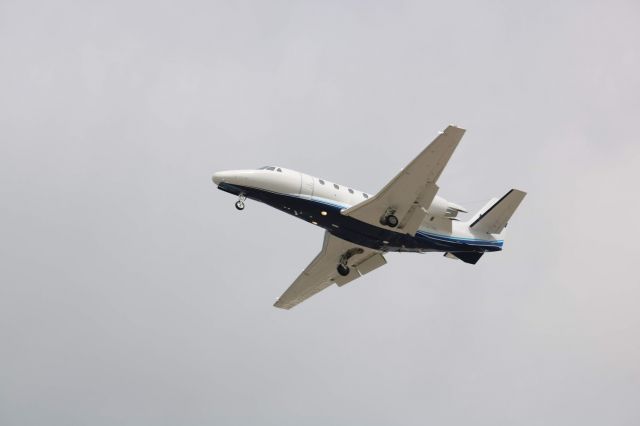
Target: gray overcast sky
<point x="133" y="293"/>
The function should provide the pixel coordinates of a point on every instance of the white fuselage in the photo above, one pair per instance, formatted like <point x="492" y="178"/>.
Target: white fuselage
<point x="406" y="215"/>
<point x="441" y="218"/>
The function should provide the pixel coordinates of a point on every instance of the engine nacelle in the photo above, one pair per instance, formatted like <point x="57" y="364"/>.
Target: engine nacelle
<point x="443" y="208"/>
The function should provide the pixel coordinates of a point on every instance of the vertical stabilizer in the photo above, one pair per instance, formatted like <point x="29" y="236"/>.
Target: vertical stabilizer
<point x="494" y="219"/>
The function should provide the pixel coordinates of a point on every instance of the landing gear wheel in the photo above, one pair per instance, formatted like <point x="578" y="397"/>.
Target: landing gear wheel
<point x="240" y="202"/>
<point x="343" y="270"/>
<point x="392" y="221"/>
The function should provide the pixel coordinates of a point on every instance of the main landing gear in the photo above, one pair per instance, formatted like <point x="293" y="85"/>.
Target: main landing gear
<point x="389" y="218"/>
<point x="240" y="202"/>
<point x="343" y="267"/>
<point x="391" y="221"/>
<point x="343" y="270"/>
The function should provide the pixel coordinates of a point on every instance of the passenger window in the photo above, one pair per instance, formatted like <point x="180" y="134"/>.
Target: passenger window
<point x="321" y="181"/>
<point x="335" y="185"/>
<point x="365" y="195"/>
<point x="351" y="190"/>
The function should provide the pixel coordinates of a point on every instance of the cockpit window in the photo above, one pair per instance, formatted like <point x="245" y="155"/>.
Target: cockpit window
<point x="279" y="169"/>
<point x="268" y="168"/>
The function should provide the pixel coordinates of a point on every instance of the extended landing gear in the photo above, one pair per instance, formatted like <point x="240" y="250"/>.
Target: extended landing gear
<point x="343" y="270"/>
<point x="343" y="266"/>
<point x="240" y="202"/>
<point x="391" y="221"/>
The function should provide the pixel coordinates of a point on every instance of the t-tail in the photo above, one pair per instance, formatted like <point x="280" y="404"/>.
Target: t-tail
<point x="491" y="220"/>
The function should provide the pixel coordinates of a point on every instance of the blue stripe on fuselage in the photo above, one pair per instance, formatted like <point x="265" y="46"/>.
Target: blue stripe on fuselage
<point x="350" y="229"/>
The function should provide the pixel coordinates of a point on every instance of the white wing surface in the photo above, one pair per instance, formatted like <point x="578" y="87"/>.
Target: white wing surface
<point x="409" y="194"/>
<point x="322" y="271"/>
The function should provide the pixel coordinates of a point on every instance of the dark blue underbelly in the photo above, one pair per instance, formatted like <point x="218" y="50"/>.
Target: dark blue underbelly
<point x="356" y="231"/>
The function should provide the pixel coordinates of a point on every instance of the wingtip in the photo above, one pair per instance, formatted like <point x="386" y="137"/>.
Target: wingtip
<point x="455" y="127"/>
<point x="281" y="305"/>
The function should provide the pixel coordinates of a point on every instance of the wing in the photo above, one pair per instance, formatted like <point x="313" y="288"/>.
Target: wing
<point x="322" y="271"/>
<point x="409" y="195"/>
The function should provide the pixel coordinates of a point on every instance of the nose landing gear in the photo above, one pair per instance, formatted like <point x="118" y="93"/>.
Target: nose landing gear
<point x="240" y="202"/>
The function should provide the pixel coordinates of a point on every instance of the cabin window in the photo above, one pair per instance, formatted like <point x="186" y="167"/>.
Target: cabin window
<point x="351" y="190"/>
<point x="365" y="195"/>
<point x="321" y="181"/>
<point x="335" y="185"/>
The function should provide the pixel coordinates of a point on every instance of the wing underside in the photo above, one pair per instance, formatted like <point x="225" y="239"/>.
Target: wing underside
<point x="322" y="271"/>
<point x="409" y="194"/>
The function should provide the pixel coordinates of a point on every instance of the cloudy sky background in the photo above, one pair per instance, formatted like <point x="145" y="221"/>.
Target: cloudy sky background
<point x="133" y="293"/>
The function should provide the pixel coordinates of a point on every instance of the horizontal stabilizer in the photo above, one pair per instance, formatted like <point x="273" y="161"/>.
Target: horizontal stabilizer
<point x="471" y="257"/>
<point x="494" y="220"/>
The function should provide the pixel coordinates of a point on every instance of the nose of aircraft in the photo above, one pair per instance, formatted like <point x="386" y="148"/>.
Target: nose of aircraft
<point x="233" y="177"/>
<point x="220" y="177"/>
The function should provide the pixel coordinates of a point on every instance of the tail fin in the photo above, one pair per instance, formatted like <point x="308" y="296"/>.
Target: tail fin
<point x="493" y="219"/>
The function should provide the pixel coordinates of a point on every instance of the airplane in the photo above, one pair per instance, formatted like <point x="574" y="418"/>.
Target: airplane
<point x="406" y="215"/>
